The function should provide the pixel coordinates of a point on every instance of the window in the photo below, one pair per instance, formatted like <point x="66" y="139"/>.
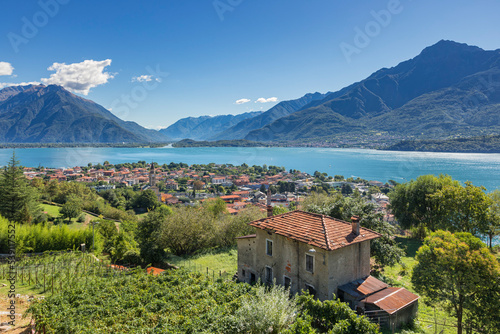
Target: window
<point x="269" y="247"/>
<point x="252" y="278"/>
<point x="243" y="273"/>
<point x="310" y="263"/>
<point x="311" y="289"/>
<point x="287" y="282"/>
<point x="269" y="275"/>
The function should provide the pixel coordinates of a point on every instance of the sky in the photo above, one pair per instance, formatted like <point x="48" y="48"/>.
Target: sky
<point x="154" y="62"/>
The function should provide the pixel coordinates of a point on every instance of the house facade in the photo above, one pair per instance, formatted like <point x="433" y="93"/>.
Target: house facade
<point x="305" y="251"/>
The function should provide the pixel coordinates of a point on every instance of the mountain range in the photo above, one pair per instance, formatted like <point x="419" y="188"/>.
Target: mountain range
<point x="51" y="114"/>
<point x="204" y="127"/>
<point x="448" y="90"/>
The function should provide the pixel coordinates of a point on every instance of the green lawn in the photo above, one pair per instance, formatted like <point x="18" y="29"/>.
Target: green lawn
<point x="51" y="210"/>
<point x="217" y="261"/>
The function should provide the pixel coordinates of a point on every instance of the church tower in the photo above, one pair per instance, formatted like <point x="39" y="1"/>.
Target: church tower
<point x="152" y="175"/>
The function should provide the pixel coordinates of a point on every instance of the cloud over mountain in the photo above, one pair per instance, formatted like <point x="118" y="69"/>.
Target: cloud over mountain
<point x="79" y="77"/>
<point x="6" y="68"/>
<point x="264" y="100"/>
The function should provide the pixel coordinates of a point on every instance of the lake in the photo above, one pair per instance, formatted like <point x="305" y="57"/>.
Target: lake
<point x="480" y="169"/>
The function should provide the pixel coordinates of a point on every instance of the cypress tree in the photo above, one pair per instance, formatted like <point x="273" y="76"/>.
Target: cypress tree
<point x="17" y="199"/>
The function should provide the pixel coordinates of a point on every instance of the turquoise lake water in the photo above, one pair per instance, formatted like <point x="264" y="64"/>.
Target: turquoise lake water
<point x="480" y="169"/>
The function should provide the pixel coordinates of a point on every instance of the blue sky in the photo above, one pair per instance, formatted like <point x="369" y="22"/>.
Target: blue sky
<point x="154" y="62"/>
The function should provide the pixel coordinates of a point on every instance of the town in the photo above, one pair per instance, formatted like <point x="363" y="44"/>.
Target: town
<point x="238" y="186"/>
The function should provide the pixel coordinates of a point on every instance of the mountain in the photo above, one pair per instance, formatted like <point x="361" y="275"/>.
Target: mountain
<point x="448" y="88"/>
<point x="204" y="127"/>
<point x="282" y="109"/>
<point x="51" y="114"/>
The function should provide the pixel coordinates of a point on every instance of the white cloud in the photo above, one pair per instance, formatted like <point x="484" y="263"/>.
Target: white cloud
<point x="241" y="101"/>
<point x="79" y="77"/>
<point x="145" y="77"/>
<point x="6" y="68"/>
<point x="142" y="78"/>
<point x="264" y="100"/>
<point x="10" y="84"/>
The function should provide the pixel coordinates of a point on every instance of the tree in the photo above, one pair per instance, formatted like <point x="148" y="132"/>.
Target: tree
<point x="149" y="233"/>
<point x="346" y="189"/>
<point x="215" y="207"/>
<point x="412" y="204"/>
<point x="270" y="310"/>
<point x="185" y="231"/>
<point x="198" y="185"/>
<point x="17" y="199"/>
<point x="462" y="209"/>
<point x="71" y="209"/>
<point x="278" y="210"/>
<point x="147" y="200"/>
<point x="458" y="271"/>
<point x="494" y="216"/>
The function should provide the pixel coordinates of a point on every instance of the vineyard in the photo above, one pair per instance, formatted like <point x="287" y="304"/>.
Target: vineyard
<point x="57" y="271"/>
<point x="87" y="295"/>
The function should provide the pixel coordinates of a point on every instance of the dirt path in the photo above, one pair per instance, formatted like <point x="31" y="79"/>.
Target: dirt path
<point x="22" y="325"/>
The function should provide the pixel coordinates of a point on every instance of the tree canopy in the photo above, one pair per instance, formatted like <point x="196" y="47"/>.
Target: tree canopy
<point x="458" y="271"/>
<point x="17" y="202"/>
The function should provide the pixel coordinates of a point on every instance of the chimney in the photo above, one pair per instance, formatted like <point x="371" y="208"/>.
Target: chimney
<point x="355" y="224"/>
<point x="269" y="206"/>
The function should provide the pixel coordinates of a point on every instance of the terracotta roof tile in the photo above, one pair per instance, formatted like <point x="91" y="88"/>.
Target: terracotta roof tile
<point x="316" y="230"/>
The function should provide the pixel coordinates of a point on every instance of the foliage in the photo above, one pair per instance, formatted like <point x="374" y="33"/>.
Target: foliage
<point x="443" y="203"/>
<point x="40" y="238"/>
<point x="459" y="271"/>
<point x="182" y="302"/>
<point x="494" y="216"/>
<point x="215" y="207"/>
<point x="147" y="200"/>
<point x="72" y="208"/>
<point x="186" y="230"/>
<point x="270" y="310"/>
<point x="333" y="316"/>
<point x="149" y="232"/>
<point x="17" y="201"/>
<point x="278" y="210"/>
<point x="462" y="209"/>
<point x="412" y="204"/>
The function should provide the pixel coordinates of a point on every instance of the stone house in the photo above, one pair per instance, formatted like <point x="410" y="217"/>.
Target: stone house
<point x="325" y="256"/>
<point x="305" y="251"/>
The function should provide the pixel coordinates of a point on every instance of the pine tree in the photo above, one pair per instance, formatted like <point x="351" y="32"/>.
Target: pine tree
<point x="17" y="199"/>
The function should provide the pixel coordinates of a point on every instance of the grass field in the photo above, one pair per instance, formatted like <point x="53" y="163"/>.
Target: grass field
<point x="217" y="261"/>
<point x="50" y="210"/>
<point x="54" y="211"/>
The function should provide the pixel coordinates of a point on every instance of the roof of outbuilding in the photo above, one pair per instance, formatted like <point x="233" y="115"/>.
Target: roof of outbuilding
<point x="391" y="299"/>
<point x="316" y="230"/>
<point x="363" y="287"/>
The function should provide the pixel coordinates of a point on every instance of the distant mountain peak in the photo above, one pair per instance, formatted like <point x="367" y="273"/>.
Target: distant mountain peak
<point x="51" y="114"/>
